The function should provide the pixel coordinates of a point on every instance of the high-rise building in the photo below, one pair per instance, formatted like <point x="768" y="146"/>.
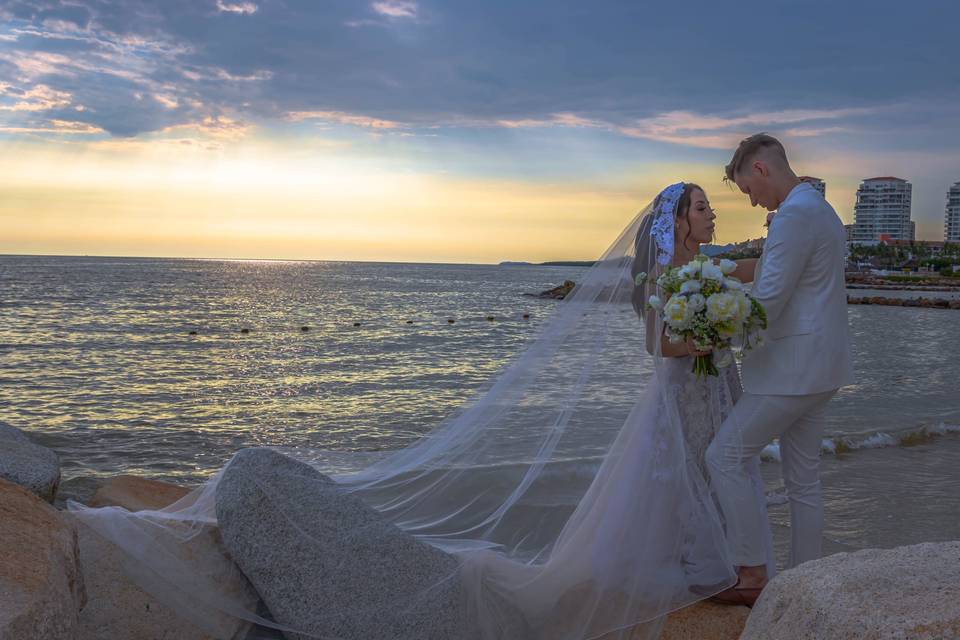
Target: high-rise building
<point x="883" y="210"/>
<point x="817" y="183"/>
<point x="951" y="222"/>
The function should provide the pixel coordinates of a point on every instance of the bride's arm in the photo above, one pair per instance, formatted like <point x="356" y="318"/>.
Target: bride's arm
<point x="746" y="270"/>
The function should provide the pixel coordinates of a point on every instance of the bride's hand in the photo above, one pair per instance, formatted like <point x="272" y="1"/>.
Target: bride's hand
<point x="694" y="352"/>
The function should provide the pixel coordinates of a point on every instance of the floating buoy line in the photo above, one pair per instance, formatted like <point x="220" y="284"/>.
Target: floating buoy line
<point x="307" y="328"/>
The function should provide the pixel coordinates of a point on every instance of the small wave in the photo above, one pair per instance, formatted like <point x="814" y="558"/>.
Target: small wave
<point x="841" y="444"/>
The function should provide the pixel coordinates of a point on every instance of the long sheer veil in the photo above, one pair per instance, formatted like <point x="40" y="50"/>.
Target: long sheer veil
<point x="570" y="491"/>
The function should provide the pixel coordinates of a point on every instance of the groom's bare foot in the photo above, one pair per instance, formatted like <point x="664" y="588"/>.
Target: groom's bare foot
<point x="753" y="577"/>
<point x="750" y="582"/>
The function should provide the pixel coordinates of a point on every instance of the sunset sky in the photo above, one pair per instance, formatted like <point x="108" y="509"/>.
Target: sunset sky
<point x="447" y="131"/>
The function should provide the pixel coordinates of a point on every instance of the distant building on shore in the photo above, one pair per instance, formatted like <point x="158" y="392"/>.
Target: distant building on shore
<point x="951" y="222"/>
<point x="883" y="210"/>
<point x="849" y="229"/>
<point x="817" y="183"/>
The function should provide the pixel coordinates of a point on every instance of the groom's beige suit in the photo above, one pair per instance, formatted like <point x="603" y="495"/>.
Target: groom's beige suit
<point x="789" y="380"/>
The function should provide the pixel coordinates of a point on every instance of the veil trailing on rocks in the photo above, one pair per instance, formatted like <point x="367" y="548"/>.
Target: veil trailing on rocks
<point x="566" y="500"/>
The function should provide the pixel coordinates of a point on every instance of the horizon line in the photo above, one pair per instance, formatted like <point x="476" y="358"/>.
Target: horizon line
<point x="240" y="259"/>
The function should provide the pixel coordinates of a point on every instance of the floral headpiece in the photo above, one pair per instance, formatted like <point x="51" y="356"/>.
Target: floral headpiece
<point x="663" y="221"/>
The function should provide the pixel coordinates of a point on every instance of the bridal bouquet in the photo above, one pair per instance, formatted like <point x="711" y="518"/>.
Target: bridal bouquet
<point x="702" y="301"/>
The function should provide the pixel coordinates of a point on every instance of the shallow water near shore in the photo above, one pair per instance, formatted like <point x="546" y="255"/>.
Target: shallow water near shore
<point x="97" y="362"/>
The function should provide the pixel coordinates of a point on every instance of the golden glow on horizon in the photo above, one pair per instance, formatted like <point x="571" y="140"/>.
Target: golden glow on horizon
<point x="260" y="200"/>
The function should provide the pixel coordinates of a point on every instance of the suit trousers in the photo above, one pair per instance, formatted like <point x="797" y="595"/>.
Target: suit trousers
<point x="753" y="424"/>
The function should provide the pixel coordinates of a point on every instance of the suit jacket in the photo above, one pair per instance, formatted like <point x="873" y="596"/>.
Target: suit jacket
<point x="800" y="282"/>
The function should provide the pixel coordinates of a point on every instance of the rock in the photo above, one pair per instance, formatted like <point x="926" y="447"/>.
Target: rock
<point x="907" y="592"/>
<point x="79" y="489"/>
<point x="41" y="586"/>
<point x="118" y="608"/>
<point x="136" y="494"/>
<point x="331" y="557"/>
<point x="27" y="464"/>
<point x="557" y="293"/>
<point x="705" y="621"/>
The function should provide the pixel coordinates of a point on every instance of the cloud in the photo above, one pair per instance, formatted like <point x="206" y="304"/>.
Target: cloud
<point x="167" y="101"/>
<point x="555" y="120"/>
<point x="57" y="127"/>
<point x="547" y="63"/>
<point x="396" y="8"/>
<point x="721" y="132"/>
<point x="243" y="8"/>
<point x="219" y="126"/>
<point x="706" y="131"/>
<point x="344" y="118"/>
<point x="815" y="132"/>
<point x="38" y="98"/>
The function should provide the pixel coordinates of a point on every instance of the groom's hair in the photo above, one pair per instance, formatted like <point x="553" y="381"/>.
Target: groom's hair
<point x="749" y="148"/>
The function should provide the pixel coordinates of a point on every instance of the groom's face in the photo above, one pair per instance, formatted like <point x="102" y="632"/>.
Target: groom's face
<point x="754" y="182"/>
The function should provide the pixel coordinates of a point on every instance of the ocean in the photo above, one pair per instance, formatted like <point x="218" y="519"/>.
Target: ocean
<point x="97" y="362"/>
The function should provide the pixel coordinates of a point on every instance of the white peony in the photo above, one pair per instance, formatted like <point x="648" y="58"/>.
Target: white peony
<point x="696" y="302"/>
<point x="690" y="286"/>
<point x="721" y="307"/>
<point x="677" y="312"/>
<point x="640" y="278"/>
<point x="656" y="302"/>
<point x="711" y="271"/>
<point x="727" y="266"/>
<point x="690" y="270"/>
<point x="733" y="284"/>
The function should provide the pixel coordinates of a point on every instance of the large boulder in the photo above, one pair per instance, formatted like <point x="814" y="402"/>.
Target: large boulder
<point x="27" y="464"/>
<point x="907" y="592"/>
<point x="41" y="586"/>
<point x="136" y="494"/>
<point x="326" y="563"/>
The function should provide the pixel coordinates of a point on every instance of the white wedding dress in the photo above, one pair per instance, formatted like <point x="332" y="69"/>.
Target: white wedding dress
<point x="573" y="487"/>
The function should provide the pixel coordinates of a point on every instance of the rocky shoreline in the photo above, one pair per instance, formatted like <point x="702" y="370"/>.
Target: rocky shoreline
<point x="869" y="281"/>
<point x="924" y="303"/>
<point x="65" y="581"/>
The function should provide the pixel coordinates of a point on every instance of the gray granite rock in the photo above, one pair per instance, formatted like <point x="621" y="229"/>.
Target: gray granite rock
<point x="326" y="563"/>
<point x="41" y="586"/>
<point x="27" y="464"/>
<point x="875" y="594"/>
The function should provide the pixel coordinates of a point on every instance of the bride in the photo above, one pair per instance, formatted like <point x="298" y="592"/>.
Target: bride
<point x="571" y="492"/>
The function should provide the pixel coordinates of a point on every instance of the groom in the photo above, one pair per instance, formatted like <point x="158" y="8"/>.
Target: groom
<point x="787" y="382"/>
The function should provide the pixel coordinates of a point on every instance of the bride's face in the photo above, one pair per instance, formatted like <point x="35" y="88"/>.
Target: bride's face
<point x="698" y="225"/>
